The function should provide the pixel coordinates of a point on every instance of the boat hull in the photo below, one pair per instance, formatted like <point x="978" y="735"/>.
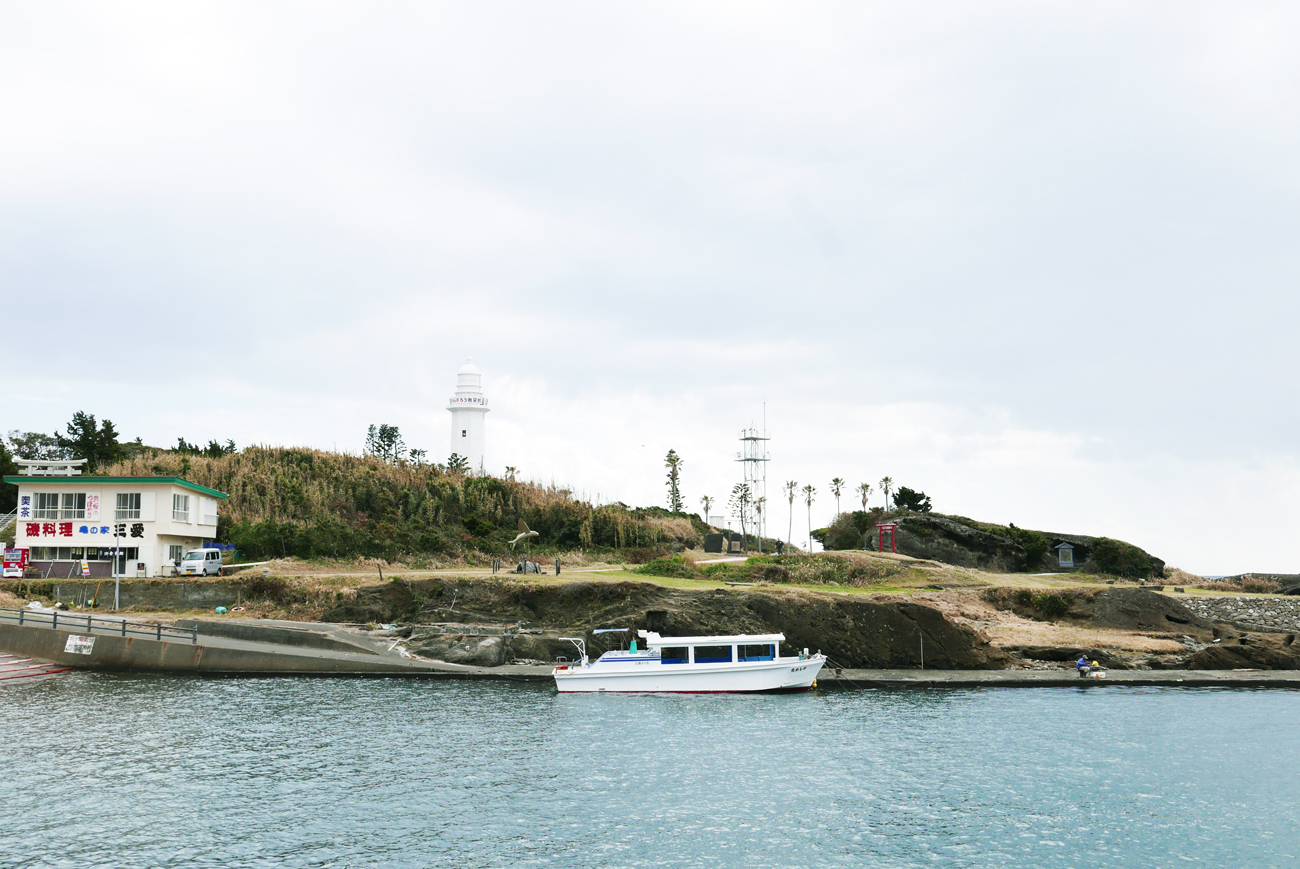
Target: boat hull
<point x="787" y="675"/>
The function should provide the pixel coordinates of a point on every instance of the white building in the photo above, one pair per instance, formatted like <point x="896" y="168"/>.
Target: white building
<point x="150" y="521"/>
<point x="468" y="409"/>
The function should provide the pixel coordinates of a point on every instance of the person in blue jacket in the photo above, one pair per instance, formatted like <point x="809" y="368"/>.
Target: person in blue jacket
<point x="1083" y="666"/>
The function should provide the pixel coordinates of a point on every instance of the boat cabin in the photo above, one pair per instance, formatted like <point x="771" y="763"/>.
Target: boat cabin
<point x="713" y="650"/>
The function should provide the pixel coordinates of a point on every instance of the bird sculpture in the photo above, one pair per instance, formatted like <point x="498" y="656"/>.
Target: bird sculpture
<point x="524" y="534"/>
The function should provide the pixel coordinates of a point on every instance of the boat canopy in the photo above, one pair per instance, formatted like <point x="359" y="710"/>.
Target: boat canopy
<point x="653" y="640"/>
<point x="609" y="631"/>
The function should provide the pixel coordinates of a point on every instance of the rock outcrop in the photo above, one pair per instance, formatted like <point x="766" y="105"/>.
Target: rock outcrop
<point x="852" y="630"/>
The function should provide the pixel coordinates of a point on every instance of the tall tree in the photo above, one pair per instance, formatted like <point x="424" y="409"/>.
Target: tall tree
<point x="837" y="486"/>
<point x="758" y="520"/>
<point x="8" y="492"/>
<point x="511" y="470"/>
<point x="886" y="486"/>
<point x="864" y="490"/>
<point x="791" y="489"/>
<point x="89" y="440"/>
<point x="36" y="446"/>
<point x="673" y="463"/>
<point x="707" y="502"/>
<point x="909" y="499"/>
<point x="741" y="498"/>
<point x="385" y="442"/>
<point x="809" y="495"/>
<point x="457" y="464"/>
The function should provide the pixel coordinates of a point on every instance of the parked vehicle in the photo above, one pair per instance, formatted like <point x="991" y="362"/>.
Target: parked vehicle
<point x="201" y="562"/>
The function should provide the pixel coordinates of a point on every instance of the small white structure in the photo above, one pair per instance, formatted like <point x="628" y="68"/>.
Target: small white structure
<point x="50" y="467"/>
<point x="1064" y="555"/>
<point x="144" y="524"/>
<point x="468" y="409"/>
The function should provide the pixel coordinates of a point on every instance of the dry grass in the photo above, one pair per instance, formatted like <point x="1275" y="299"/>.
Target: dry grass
<point x="1175" y="576"/>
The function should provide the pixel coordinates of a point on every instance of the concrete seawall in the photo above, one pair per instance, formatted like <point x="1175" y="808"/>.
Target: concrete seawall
<point x="224" y="656"/>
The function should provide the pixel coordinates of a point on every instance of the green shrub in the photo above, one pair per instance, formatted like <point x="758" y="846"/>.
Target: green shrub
<point x="675" y="566"/>
<point x="1023" y="596"/>
<point x="1051" y="604"/>
<point x="1034" y="543"/>
<point x="1118" y="558"/>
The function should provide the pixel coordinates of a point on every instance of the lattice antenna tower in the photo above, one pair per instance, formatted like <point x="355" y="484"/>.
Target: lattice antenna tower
<point x="753" y="457"/>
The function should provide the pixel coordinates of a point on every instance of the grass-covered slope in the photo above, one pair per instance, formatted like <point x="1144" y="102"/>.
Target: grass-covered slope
<point x="311" y="503"/>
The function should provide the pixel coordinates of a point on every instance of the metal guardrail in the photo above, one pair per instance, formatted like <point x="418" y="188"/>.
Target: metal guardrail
<point x="7" y="518"/>
<point x="96" y="624"/>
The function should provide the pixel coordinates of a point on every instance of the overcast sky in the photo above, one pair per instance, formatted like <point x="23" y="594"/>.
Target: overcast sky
<point x="1036" y="259"/>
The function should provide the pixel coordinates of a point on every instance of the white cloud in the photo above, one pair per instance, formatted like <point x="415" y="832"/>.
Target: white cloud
<point x="1023" y="257"/>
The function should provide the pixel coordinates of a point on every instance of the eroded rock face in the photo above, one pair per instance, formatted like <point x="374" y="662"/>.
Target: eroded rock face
<point x="541" y="647"/>
<point x="853" y="631"/>
<point x="1264" y="651"/>
<point x="938" y="538"/>
<point x="478" y="651"/>
<point x="1141" y="610"/>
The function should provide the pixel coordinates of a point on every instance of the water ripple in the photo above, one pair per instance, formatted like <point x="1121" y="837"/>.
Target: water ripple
<point x="155" y="771"/>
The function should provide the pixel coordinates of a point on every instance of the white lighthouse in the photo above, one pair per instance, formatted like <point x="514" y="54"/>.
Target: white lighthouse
<point x="468" y="408"/>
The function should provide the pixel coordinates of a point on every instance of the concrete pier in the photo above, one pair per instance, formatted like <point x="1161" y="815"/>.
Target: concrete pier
<point x="1062" y="678"/>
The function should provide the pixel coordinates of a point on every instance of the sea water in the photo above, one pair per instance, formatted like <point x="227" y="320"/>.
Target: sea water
<point x="146" y="770"/>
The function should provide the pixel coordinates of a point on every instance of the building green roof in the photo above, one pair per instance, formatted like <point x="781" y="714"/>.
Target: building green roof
<point x="76" y="480"/>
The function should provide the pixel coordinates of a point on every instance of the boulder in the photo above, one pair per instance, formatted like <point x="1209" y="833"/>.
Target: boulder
<point x="478" y="651"/>
<point x="541" y="647"/>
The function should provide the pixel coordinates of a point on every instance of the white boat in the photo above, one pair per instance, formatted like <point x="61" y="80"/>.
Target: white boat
<point x="692" y="665"/>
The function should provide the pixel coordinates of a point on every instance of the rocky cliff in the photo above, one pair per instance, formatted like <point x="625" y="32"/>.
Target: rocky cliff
<point x="527" y="618"/>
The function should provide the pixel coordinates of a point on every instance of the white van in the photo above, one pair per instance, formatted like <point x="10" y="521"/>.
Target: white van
<point x="201" y="562"/>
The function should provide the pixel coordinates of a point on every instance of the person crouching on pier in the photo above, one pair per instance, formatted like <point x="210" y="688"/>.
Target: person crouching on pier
<point x="1083" y="666"/>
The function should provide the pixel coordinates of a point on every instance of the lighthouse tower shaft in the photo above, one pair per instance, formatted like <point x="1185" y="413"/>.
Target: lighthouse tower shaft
<point x="469" y="408"/>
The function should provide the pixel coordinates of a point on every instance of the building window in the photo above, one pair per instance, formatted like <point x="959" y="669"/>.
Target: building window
<point x="74" y="506"/>
<point x="47" y="506"/>
<point x="174" y="552"/>
<point x="464" y="433"/>
<point x="181" y="508"/>
<point x="128" y="505"/>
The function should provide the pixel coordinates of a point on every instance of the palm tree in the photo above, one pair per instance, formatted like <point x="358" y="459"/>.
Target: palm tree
<point x="864" y="489"/>
<point x="707" y="502"/>
<point x="791" y="487"/>
<point x="741" y="498"/>
<point x="758" y="510"/>
<point x="836" y="486"/>
<point x="886" y="486"/>
<point x="511" y="470"/>
<point x="809" y="494"/>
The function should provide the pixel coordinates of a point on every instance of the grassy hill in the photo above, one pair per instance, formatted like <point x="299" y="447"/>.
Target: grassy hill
<point x="311" y="503"/>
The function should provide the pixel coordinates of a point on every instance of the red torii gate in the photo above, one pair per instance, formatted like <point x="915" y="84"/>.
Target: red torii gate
<point x="892" y="528"/>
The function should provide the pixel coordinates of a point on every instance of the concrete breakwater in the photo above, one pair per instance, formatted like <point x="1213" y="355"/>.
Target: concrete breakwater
<point x="1253" y="613"/>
